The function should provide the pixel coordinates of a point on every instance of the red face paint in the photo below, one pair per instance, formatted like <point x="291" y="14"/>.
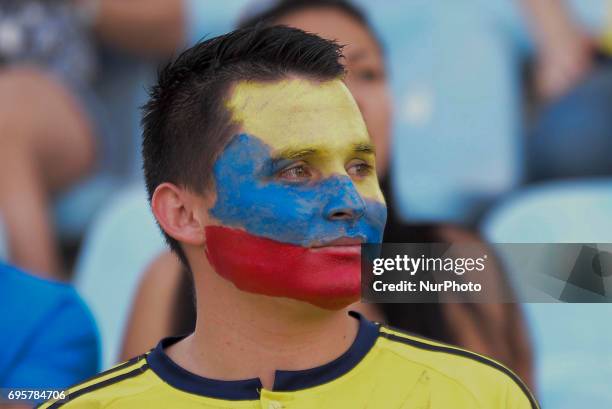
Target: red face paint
<point x="328" y="277"/>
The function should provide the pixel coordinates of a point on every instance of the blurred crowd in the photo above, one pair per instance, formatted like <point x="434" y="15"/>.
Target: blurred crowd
<point x="492" y="121"/>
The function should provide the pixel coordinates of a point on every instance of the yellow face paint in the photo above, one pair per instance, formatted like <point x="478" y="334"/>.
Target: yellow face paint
<point x="299" y="115"/>
<point x="300" y="175"/>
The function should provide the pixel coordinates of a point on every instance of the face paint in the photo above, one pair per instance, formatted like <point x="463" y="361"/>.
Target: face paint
<point x="326" y="277"/>
<point x="271" y="226"/>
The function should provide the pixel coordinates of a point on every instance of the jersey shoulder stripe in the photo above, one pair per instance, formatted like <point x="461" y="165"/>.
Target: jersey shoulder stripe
<point x="417" y="341"/>
<point x="128" y="369"/>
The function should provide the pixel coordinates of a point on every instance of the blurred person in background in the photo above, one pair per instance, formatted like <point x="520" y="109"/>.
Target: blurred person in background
<point x="570" y="129"/>
<point x="52" y="130"/>
<point x="564" y="49"/>
<point x="49" y="339"/>
<point x="164" y="303"/>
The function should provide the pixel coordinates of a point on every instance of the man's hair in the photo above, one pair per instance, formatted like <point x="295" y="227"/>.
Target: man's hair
<point x="272" y="13"/>
<point x="186" y="123"/>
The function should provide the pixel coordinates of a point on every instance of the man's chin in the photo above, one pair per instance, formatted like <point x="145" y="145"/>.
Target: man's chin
<point x="327" y="277"/>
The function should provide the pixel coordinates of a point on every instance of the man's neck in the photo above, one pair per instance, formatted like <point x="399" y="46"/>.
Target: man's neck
<point x="243" y="336"/>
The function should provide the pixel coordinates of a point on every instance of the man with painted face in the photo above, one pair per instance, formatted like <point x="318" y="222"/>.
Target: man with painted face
<point x="262" y="176"/>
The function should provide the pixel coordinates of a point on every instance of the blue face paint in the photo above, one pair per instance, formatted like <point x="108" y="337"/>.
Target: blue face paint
<point x="249" y="197"/>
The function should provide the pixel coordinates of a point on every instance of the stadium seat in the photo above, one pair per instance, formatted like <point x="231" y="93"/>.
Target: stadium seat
<point x="75" y="209"/>
<point x="572" y="342"/>
<point x="121" y="242"/>
<point x="454" y="150"/>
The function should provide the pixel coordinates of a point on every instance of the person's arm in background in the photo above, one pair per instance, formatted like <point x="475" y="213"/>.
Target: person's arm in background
<point x="149" y="27"/>
<point x="563" y="54"/>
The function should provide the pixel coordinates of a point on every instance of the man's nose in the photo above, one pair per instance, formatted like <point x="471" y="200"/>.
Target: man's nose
<point x="345" y="203"/>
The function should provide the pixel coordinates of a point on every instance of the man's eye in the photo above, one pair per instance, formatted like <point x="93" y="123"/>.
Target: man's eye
<point x="360" y="169"/>
<point x="295" y="173"/>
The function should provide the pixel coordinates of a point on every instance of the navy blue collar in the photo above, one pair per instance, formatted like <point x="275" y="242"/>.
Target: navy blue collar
<point x="248" y="389"/>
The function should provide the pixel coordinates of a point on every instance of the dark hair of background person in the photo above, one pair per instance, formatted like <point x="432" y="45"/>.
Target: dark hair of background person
<point x="427" y="320"/>
<point x="185" y="122"/>
<point x="282" y="8"/>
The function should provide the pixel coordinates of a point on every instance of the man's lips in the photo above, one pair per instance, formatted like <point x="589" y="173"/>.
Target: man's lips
<point x="340" y="246"/>
<point x="328" y="277"/>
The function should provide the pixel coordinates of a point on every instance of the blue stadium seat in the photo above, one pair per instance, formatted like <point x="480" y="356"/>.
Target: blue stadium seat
<point x="121" y="242"/>
<point x="573" y="342"/>
<point x="457" y="135"/>
<point x="75" y="209"/>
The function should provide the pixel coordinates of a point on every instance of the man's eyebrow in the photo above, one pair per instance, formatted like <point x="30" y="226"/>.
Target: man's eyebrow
<point x="364" y="147"/>
<point x="293" y="154"/>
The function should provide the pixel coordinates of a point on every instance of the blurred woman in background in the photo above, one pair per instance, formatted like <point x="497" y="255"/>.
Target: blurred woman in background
<point x="164" y="303"/>
<point x="51" y="127"/>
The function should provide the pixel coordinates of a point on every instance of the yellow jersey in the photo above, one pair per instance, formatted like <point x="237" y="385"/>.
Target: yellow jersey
<point x="384" y="368"/>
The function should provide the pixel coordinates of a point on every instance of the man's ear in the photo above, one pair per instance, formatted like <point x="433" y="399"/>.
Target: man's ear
<point x="179" y="213"/>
